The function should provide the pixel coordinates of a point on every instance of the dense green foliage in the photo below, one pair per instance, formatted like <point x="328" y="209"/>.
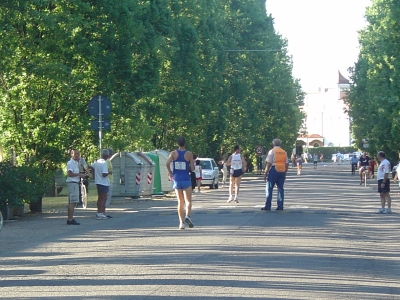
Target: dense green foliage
<point x="164" y="65"/>
<point x="373" y="99"/>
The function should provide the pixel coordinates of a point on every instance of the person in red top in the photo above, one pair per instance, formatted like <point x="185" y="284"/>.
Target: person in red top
<point x="372" y="167"/>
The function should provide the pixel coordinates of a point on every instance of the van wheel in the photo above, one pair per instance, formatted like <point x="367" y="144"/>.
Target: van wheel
<point x="216" y="186"/>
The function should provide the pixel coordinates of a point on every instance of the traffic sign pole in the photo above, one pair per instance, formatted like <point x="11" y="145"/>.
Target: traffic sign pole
<point x="99" y="107"/>
<point x="100" y="125"/>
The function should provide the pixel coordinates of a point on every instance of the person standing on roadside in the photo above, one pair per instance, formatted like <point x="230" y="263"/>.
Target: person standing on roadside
<point x="110" y="177"/>
<point x="275" y="173"/>
<point x="100" y="171"/>
<point x="183" y="165"/>
<point x="197" y="170"/>
<point x="237" y="163"/>
<point x="384" y="183"/>
<point x="73" y="181"/>
<point x="322" y="158"/>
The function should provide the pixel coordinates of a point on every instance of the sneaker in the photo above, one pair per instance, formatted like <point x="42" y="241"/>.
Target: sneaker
<point x="380" y="211"/>
<point x="278" y="208"/>
<point x="189" y="222"/>
<point x="108" y="216"/>
<point x="72" y="222"/>
<point x="230" y="199"/>
<point x="101" y="216"/>
<point x="181" y="226"/>
<point x="387" y="211"/>
<point x="265" y="208"/>
<point x="236" y="200"/>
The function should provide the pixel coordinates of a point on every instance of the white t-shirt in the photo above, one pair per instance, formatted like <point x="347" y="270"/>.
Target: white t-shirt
<point x="73" y="166"/>
<point x="100" y="167"/>
<point x="384" y="168"/>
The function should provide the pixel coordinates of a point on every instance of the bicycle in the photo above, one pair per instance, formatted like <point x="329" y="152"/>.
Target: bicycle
<point x="83" y="199"/>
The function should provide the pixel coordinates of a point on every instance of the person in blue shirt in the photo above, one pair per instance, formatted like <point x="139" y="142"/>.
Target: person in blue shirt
<point x="182" y="164"/>
<point x="353" y="162"/>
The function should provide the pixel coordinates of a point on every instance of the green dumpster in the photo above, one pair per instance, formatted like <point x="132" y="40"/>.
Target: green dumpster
<point x="157" y="177"/>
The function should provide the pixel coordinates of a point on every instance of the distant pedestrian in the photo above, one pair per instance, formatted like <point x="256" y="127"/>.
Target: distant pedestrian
<point x="237" y="163"/>
<point x="73" y="181"/>
<point x="224" y="171"/>
<point x="277" y="164"/>
<point x="384" y="183"/>
<point x="83" y="169"/>
<point x="110" y="177"/>
<point x="353" y="162"/>
<point x="305" y="157"/>
<point x="315" y="158"/>
<point x="363" y="165"/>
<point x="182" y="165"/>
<point x="193" y="175"/>
<point x="100" y="170"/>
<point x="372" y="167"/>
<point x="293" y="160"/>
<point x="299" y="162"/>
<point x="321" y="158"/>
<point x="198" y="172"/>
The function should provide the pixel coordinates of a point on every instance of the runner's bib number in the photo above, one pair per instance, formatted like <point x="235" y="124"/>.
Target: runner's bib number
<point x="179" y="165"/>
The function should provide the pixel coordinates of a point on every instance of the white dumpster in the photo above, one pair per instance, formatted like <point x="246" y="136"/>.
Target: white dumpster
<point x="147" y="180"/>
<point x="127" y="171"/>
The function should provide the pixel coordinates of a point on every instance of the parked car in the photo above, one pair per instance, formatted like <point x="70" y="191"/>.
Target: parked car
<point x="210" y="172"/>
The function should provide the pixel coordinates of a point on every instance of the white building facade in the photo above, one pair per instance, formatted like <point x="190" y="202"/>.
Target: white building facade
<point x="326" y="122"/>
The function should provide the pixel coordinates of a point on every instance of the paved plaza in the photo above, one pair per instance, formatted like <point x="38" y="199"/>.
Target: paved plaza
<point x="328" y="243"/>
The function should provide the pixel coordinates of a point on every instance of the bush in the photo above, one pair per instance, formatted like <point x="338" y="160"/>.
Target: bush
<point x="19" y="185"/>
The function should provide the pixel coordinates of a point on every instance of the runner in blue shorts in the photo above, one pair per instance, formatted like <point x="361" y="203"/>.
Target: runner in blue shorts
<point x="182" y="166"/>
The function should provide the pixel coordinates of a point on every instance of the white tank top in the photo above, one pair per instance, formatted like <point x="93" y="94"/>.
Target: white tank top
<point x="236" y="162"/>
<point x="197" y="171"/>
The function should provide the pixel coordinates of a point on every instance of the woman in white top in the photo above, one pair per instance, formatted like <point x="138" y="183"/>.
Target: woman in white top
<point x="237" y="163"/>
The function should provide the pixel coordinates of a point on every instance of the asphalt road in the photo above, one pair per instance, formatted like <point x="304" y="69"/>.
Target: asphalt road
<point x="328" y="243"/>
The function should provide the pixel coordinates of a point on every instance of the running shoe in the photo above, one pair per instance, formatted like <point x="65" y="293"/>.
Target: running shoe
<point x="72" y="222"/>
<point x="236" y="199"/>
<point x="101" y="216"/>
<point x="387" y="211"/>
<point x="380" y="211"/>
<point x="230" y="199"/>
<point x="189" y="222"/>
<point x="181" y="226"/>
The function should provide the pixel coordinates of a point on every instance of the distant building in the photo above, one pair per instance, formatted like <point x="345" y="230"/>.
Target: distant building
<point x="326" y="122"/>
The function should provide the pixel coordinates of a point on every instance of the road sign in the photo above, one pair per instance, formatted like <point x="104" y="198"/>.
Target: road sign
<point x="259" y="150"/>
<point x="96" y="102"/>
<point x="95" y="125"/>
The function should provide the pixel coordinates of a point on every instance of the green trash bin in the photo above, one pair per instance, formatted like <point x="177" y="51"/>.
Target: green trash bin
<point x="157" y="190"/>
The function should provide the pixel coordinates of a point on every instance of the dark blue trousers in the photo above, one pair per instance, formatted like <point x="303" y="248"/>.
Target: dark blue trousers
<point x="278" y="178"/>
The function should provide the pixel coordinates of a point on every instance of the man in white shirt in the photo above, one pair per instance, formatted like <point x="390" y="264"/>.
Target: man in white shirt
<point x="73" y="180"/>
<point x="384" y="183"/>
<point x="100" y="171"/>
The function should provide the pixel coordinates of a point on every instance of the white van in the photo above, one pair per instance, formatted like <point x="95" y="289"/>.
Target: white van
<point x="210" y="172"/>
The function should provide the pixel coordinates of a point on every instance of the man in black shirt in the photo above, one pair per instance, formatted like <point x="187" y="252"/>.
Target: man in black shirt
<point x="363" y="164"/>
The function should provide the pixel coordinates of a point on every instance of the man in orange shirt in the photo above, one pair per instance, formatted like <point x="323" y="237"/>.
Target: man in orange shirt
<point x="277" y="164"/>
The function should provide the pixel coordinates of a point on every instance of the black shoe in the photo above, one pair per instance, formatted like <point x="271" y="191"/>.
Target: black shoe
<point x="108" y="216"/>
<point x="279" y="208"/>
<point x="265" y="208"/>
<point x="73" y="222"/>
